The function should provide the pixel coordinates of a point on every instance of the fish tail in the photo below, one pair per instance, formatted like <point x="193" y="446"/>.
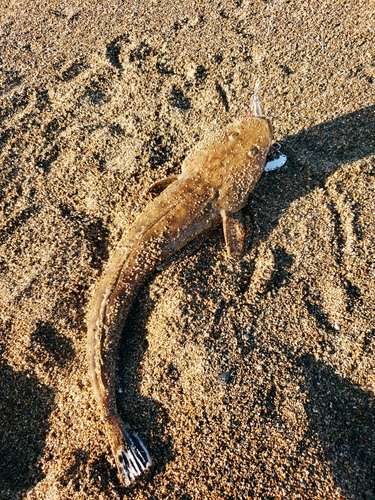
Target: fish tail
<point x="131" y="455"/>
<point x="133" y="458"/>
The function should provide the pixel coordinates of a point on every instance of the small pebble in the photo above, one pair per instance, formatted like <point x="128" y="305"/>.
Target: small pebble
<point x="224" y="378"/>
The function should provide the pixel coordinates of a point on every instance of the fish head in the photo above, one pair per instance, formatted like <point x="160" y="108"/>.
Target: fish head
<point x="242" y="151"/>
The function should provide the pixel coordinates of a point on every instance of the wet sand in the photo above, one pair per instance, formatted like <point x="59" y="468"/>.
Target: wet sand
<point x="246" y="379"/>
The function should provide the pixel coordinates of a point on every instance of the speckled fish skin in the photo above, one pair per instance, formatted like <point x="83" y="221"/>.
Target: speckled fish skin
<point x="214" y="183"/>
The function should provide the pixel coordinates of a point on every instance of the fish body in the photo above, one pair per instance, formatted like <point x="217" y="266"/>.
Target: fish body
<point x="214" y="184"/>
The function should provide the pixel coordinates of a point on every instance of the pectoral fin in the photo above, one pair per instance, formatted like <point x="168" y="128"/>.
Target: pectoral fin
<point x="159" y="186"/>
<point x="234" y="232"/>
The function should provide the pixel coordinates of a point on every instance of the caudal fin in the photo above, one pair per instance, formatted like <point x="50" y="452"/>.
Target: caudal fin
<point x="132" y="458"/>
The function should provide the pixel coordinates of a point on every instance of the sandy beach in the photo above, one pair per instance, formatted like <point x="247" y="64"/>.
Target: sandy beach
<point x="246" y="379"/>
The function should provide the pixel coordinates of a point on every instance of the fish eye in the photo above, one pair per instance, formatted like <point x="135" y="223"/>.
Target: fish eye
<point x="254" y="151"/>
<point x="233" y="135"/>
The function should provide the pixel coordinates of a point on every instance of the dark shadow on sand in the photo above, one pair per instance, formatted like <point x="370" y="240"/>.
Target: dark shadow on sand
<point x="313" y="155"/>
<point x="25" y="406"/>
<point x="341" y="413"/>
<point x="342" y="416"/>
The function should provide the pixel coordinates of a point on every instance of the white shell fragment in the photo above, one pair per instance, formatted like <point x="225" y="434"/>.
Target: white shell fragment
<point x="276" y="163"/>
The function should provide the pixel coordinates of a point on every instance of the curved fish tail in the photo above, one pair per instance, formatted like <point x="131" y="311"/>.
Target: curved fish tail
<point x="131" y="456"/>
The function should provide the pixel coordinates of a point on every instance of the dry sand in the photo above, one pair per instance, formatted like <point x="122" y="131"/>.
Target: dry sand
<point x="249" y="379"/>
